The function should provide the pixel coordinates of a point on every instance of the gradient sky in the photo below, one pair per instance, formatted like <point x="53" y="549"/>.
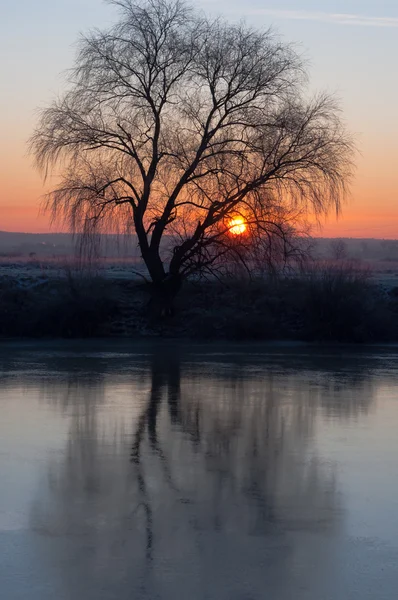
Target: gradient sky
<point x="351" y="47"/>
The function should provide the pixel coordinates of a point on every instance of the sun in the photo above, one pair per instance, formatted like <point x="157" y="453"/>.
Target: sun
<point x="237" y="226"/>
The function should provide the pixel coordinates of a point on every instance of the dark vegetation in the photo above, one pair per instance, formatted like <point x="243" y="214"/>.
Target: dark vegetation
<point x="69" y="307"/>
<point x="327" y="303"/>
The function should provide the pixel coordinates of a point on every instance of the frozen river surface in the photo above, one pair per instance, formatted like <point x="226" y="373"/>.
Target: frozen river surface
<point x="167" y="472"/>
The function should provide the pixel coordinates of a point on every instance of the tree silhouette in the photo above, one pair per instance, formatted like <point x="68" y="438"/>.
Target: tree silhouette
<point x="173" y="123"/>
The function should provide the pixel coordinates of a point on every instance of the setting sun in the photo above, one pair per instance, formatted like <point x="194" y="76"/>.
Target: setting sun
<point x="237" y="226"/>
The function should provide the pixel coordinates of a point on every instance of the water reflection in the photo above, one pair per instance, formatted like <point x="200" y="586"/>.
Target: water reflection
<point x="195" y="477"/>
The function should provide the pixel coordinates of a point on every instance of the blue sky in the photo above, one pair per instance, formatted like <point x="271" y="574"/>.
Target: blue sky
<point x="351" y="48"/>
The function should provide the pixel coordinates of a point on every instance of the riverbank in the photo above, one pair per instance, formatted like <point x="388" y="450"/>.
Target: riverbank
<point x="327" y="305"/>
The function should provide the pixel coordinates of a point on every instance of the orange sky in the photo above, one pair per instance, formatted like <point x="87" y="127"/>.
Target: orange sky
<point x="355" y="61"/>
<point x="371" y="210"/>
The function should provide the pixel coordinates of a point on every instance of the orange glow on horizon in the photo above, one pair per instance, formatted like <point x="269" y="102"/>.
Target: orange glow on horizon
<point x="370" y="212"/>
<point x="353" y="223"/>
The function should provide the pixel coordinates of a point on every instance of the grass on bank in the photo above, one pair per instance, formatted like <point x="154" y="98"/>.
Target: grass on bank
<point x="329" y="302"/>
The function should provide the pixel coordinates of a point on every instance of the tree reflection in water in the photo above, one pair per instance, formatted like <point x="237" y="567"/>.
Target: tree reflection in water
<point x="217" y="479"/>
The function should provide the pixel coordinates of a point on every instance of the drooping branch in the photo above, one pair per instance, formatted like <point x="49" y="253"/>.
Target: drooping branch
<point x="174" y="122"/>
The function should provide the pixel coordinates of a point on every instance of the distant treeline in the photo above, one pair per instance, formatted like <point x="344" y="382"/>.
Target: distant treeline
<point x="355" y="249"/>
<point x="51" y="245"/>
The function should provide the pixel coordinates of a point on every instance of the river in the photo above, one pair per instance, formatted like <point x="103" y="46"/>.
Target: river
<point x="161" y="471"/>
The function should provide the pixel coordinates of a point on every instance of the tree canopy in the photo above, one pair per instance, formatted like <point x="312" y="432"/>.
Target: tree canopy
<point x="173" y="123"/>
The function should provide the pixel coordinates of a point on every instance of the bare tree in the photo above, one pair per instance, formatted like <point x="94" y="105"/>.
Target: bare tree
<point x="173" y="123"/>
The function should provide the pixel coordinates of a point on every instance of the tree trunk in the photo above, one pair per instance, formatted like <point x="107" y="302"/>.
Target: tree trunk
<point x="154" y="265"/>
<point x="164" y="287"/>
<point x="164" y="293"/>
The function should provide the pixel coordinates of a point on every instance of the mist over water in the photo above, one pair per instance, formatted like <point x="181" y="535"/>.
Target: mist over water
<point x="175" y="471"/>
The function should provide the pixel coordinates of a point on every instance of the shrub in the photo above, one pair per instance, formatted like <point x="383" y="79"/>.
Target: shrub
<point x="57" y="309"/>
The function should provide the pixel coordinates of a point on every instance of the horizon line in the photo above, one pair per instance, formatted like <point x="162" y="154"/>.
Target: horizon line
<point x="316" y="236"/>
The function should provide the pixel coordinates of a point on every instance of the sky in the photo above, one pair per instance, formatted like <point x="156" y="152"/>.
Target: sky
<point x="350" y="48"/>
